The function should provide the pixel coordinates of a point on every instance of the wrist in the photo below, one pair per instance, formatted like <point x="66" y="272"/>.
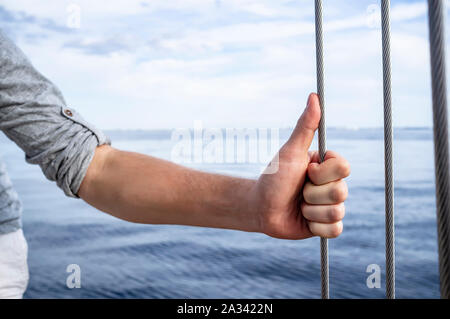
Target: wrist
<point x="249" y="207"/>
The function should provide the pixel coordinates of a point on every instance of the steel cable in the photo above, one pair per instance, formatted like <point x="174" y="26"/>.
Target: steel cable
<point x="388" y="152"/>
<point x="440" y="130"/>
<point x="324" y="268"/>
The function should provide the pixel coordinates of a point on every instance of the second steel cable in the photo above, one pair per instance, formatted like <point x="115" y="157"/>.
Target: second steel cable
<point x="322" y="140"/>
<point x="388" y="152"/>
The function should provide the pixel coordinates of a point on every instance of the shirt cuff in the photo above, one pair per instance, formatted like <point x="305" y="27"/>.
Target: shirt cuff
<point x="85" y="152"/>
<point x="73" y="151"/>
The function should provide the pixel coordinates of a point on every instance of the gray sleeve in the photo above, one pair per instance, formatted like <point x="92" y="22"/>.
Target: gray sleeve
<point x="34" y="115"/>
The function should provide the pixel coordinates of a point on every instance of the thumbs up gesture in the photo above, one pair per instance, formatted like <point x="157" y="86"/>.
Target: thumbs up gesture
<point x="303" y="198"/>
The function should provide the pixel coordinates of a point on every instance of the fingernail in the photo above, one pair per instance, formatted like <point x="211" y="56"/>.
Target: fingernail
<point x="309" y="102"/>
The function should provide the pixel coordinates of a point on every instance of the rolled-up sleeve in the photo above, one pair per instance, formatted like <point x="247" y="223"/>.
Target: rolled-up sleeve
<point x="34" y="115"/>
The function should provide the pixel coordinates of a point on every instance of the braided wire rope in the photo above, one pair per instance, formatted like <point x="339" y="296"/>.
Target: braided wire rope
<point x="388" y="151"/>
<point x="324" y="267"/>
<point x="440" y="131"/>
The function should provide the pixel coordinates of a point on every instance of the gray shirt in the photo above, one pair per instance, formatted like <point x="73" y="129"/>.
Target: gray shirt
<point x="34" y="115"/>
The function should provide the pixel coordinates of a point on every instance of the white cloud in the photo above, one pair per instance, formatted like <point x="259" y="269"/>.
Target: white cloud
<point x="408" y="11"/>
<point x="236" y="63"/>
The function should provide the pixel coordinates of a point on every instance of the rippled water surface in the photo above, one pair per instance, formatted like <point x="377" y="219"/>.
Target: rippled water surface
<point x="123" y="260"/>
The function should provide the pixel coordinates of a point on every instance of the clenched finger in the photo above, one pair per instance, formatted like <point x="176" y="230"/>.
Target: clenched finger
<point x="326" y="230"/>
<point x="323" y="213"/>
<point x="333" y="168"/>
<point x="327" y="194"/>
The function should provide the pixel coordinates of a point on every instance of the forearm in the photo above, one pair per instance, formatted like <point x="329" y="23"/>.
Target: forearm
<point x="144" y="189"/>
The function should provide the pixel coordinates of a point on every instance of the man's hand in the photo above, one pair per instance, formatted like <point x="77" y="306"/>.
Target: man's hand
<point x="303" y="198"/>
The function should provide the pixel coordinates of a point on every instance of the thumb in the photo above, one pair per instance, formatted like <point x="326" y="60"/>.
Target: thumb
<point x="303" y="134"/>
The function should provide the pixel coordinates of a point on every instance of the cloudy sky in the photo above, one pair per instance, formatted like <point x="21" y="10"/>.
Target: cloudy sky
<point x="229" y="63"/>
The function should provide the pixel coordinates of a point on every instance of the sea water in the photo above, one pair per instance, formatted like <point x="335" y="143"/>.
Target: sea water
<point x="123" y="260"/>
